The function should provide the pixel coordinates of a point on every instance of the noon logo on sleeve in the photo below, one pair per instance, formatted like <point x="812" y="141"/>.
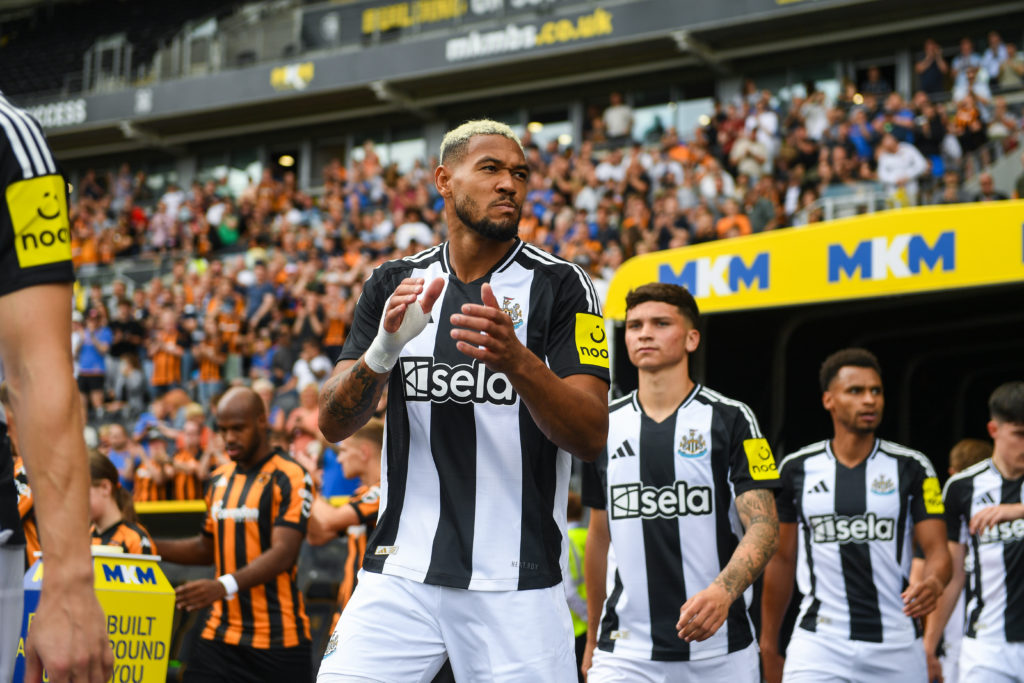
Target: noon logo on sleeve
<point x="932" y="496"/>
<point x="591" y="340"/>
<point x="38" y="211"/>
<point x="760" y="459"/>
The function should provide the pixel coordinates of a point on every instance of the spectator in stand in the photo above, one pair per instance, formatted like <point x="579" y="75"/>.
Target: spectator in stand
<point x="929" y="132"/>
<point x="994" y="55"/>
<point x="976" y="84"/>
<point x="210" y="353"/>
<point x="1011" y="71"/>
<point x="932" y="70"/>
<point x="987" y="191"/>
<point x="165" y="349"/>
<point x="618" y="120"/>
<point x="1003" y="127"/>
<point x="190" y="465"/>
<point x="875" y="84"/>
<point x="967" y="59"/>
<point x="749" y="154"/>
<point x="732" y="223"/>
<point x="969" y="129"/>
<point x="96" y="339"/>
<point x="895" y="118"/>
<point x="951" y="192"/>
<point x="900" y="164"/>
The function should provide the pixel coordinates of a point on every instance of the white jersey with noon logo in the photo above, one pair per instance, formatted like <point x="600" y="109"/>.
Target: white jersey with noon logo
<point x="995" y="559"/>
<point x="856" y="537"/>
<point x="473" y="495"/>
<point x="669" y="489"/>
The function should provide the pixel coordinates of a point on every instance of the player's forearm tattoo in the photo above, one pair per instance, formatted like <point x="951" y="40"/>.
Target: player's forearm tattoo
<point x="352" y="394"/>
<point x="757" y="512"/>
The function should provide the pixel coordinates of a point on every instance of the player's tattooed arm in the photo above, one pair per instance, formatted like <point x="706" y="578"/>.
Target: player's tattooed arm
<point x="756" y="509"/>
<point x="348" y="398"/>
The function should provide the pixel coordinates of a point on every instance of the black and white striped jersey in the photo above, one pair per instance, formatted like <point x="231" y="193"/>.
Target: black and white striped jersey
<point x="669" y="489"/>
<point x="856" y="537"/>
<point x="35" y="232"/>
<point x="995" y="559"/>
<point x="473" y="495"/>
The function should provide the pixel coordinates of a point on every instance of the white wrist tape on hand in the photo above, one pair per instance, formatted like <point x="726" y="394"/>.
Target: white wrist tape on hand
<point x="386" y="346"/>
<point x="230" y="585"/>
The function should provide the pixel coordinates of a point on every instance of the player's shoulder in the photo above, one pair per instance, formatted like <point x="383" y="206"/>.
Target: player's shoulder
<point x="799" y="457"/>
<point x="627" y="401"/>
<point x="895" y="450"/>
<point x="220" y="474"/>
<point x="567" y="275"/>
<point x="727" y="407"/>
<point x="283" y="463"/>
<point x="397" y="269"/>
<point x="965" y="477"/>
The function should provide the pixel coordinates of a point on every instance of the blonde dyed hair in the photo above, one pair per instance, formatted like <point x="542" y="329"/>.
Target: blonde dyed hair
<point x="454" y="144"/>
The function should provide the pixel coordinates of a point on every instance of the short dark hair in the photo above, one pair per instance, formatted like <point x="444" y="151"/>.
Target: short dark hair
<point x="1006" y="404"/>
<point x="856" y="357"/>
<point x="666" y="293"/>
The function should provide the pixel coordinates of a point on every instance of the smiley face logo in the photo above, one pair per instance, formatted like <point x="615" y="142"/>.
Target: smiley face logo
<point x="597" y="335"/>
<point x="49" y="208"/>
<point x="591" y="340"/>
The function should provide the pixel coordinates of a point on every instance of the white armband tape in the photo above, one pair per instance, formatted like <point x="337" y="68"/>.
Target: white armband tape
<point x="385" y="348"/>
<point x="230" y="585"/>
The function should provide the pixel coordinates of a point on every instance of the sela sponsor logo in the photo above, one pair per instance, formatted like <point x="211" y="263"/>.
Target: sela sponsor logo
<point x="882" y="485"/>
<point x="514" y="311"/>
<point x="692" y="445"/>
<point x="1004" y="532"/>
<point x="760" y="460"/>
<point x="899" y="256"/>
<point x="630" y="501"/>
<point x="856" y="529"/>
<point x="38" y="212"/>
<point x="425" y="380"/>
<point x="239" y="514"/>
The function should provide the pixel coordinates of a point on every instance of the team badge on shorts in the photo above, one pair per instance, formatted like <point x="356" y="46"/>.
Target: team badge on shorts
<point x="514" y="311"/>
<point x="692" y="445"/>
<point x="332" y="645"/>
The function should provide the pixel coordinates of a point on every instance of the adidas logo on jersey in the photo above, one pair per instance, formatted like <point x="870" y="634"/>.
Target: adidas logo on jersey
<point x="820" y="487"/>
<point x="425" y="380"/>
<point x="623" y="451"/>
<point x="985" y="500"/>
<point x="1004" y="532"/>
<point x="858" y="529"/>
<point x="630" y="501"/>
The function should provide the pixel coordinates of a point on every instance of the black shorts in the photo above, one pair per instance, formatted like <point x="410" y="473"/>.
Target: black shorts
<point x="90" y="383"/>
<point x="211" y="661"/>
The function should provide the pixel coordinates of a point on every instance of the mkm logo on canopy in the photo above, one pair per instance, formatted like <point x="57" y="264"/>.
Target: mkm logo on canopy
<point x="719" y="275"/>
<point x="899" y="256"/>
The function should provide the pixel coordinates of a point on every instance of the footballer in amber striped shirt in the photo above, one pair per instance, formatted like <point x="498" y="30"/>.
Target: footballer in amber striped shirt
<point x="258" y="506"/>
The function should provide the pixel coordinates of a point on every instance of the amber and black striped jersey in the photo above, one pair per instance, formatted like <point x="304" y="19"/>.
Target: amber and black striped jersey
<point x="185" y="486"/>
<point x="146" y="487"/>
<point x="130" y="536"/>
<point x="27" y="511"/>
<point x="166" y="365"/>
<point x="244" y="506"/>
<point x="366" y="502"/>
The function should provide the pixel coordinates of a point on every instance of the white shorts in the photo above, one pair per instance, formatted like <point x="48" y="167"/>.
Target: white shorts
<point x="985" y="662"/>
<point x="396" y="630"/>
<point x="815" y="658"/>
<point x="950" y="660"/>
<point x="735" y="667"/>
